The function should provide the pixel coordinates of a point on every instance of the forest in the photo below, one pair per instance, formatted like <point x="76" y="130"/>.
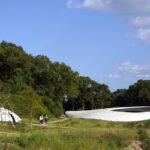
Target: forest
<point x="35" y="82"/>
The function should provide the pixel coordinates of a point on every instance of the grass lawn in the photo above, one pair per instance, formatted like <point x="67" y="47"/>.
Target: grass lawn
<point x="70" y="134"/>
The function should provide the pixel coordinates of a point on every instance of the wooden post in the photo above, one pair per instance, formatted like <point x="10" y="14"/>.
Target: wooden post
<point x="31" y="114"/>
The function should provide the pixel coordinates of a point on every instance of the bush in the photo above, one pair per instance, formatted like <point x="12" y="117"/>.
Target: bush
<point x="146" y="144"/>
<point x="144" y="138"/>
<point x="142" y="135"/>
<point x="35" y="139"/>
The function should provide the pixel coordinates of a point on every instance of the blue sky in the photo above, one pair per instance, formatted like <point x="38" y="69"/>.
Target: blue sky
<point x="107" y="40"/>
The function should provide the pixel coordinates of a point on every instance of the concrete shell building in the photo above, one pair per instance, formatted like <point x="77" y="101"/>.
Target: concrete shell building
<point x="121" y="114"/>
<point x="8" y="116"/>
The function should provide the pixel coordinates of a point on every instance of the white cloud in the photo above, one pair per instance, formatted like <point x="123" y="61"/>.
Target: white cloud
<point x="132" y="7"/>
<point x="92" y="4"/>
<point x="140" y="71"/>
<point x="143" y="76"/>
<point x="144" y="34"/>
<point x="74" y="4"/>
<point x="134" y="70"/>
<point x="113" y="76"/>
<point x="97" y="4"/>
<point x="129" y="68"/>
<point x="139" y="21"/>
<point x="137" y="11"/>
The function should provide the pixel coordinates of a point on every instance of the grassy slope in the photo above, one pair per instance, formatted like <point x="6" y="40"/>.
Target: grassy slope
<point x="70" y="134"/>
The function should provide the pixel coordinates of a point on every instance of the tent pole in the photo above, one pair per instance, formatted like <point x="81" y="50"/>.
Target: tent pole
<point x="6" y="100"/>
<point x="13" y="124"/>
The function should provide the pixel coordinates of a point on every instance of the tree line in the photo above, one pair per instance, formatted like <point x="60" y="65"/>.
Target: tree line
<point x="53" y="87"/>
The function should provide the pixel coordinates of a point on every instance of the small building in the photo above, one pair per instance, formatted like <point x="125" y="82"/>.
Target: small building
<point x="8" y="116"/>
<point x="122" y="114"/>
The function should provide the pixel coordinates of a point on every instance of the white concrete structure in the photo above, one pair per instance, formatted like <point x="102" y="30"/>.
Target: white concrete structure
<point x="8" y="116"/>
<point x="122" y="114"/>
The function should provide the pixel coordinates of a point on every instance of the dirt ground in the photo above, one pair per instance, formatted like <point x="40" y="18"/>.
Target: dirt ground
<point x="134" y="145"/>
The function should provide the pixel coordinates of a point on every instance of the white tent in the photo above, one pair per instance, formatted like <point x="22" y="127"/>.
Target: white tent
<point x="8" y="116"/>
<point x="123" y="114"/>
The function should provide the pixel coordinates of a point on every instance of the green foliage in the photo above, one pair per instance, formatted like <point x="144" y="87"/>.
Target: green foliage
<point x="92" y="95"/>
<point x="142" y="134"/>
<point x="68" y="140"/>
<point x="146" y="144"/>
<point x="21" y="72"/>
<point x="144" y="137"/>
<point x="138" y="94"/>
<point x="69" y="134"/>
<point x="120" y="98"/>
<point x="49" y="82"/>
<point x="21" y="102"/>
<point x="38" y="139"/>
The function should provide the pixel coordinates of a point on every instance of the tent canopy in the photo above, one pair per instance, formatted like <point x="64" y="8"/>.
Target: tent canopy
<point x="8" y="116"/>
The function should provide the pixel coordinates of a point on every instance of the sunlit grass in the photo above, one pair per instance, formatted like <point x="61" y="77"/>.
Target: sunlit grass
<point x="70" y="134"/>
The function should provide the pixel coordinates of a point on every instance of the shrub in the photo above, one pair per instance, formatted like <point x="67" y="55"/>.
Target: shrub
<point x="144" y="138"/>
<point x="146" y="144"/>
<point x="142" y="135"/>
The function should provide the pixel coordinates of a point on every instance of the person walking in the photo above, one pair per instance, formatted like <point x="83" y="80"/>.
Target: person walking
<point x="41" y="119"/>
<point x="45" y="118"/>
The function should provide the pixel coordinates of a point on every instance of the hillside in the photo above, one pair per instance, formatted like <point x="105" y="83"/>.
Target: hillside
<point x="45" y="87"/>
<point x="34" y="81"/>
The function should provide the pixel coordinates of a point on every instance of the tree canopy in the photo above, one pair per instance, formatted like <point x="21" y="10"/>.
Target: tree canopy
<point x="53" y="87"/>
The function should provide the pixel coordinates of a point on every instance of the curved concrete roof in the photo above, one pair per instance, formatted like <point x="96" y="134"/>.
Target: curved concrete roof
<point x="6" y="116"/>
<point x="122" y="114"/>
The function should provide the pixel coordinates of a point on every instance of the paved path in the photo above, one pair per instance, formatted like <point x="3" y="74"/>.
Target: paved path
<point x="50" y="123"/>
<point x="55" y="121"/>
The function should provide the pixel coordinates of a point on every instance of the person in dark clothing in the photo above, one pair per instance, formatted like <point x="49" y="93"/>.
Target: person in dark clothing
<point x="45" y="118"/>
